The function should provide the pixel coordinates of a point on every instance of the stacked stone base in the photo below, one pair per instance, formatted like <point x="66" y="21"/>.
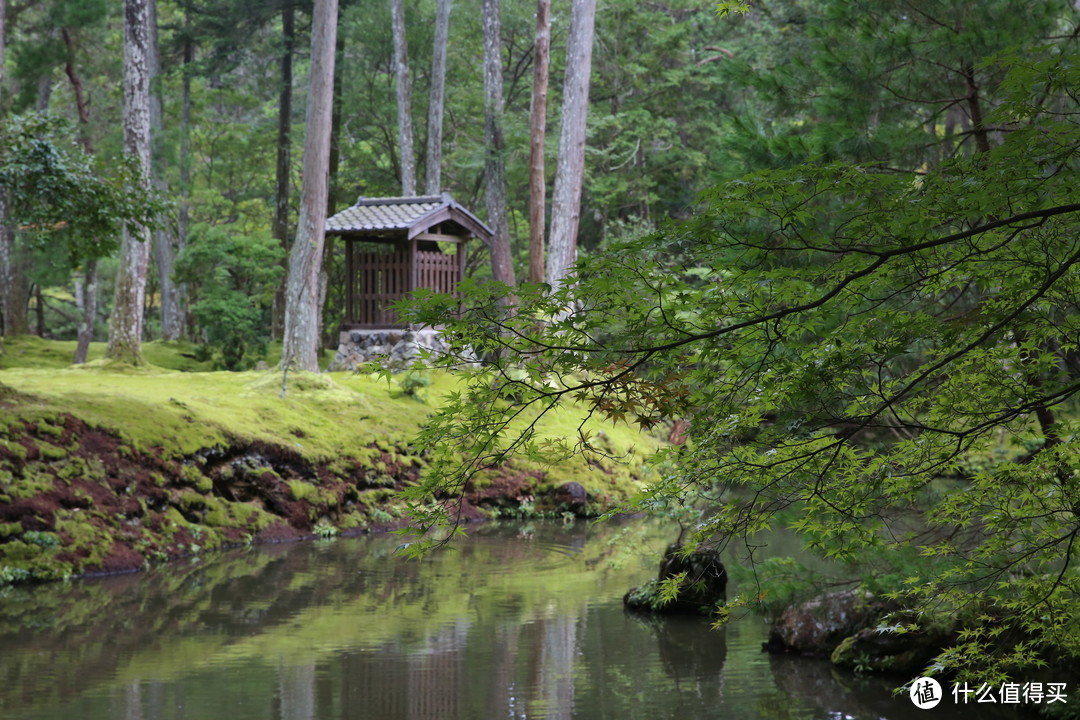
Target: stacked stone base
<point x="396" y="349"/>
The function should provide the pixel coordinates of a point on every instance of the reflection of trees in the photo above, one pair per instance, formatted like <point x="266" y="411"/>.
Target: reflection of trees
<point x="693" y="655"/>
<point x="393" y="682"/>
<point x="527" y="670"/>
<point x="299" y="626"/>
<point x="557" y="653"/>
<point x="296" y="692"/>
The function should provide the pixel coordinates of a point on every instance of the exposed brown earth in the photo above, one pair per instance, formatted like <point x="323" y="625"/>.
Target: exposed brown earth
<point x="77" y="500"/>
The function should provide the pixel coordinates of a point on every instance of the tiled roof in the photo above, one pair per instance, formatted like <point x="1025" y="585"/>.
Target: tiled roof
<point x="412" y="214"/>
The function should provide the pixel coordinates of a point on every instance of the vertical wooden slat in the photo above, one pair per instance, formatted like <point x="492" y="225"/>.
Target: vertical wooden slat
<point x="413" y="269"/>
<point x="379" y="275"/>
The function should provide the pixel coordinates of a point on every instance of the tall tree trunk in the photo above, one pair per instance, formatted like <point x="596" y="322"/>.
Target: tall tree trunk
<point x="974" y="103"/>
<point x="39" y="311"/>
<point x="183" y="213"/>
<point x="7" y="242"/>
<point x="3" y="13"/>
<point x="327" y="336"/>
<point x="537" y="135"/>
<point x="44" y="93"/>
<point x="502" y="261"/>
<point x="86" y="279"/>
<point x="82" y="108"/>
<point x="301" y="339"/>
<point x="437" y="99"/>
<point x="284" y="162"/>
<point x="126" y="323"/>
<point x="86" y="301"/>
<point x="14" y="263"/>
<point x="14" y="289"/>
<point x="404" y="98"/>
<point x="570" y="167"/>
<point x="172" y="325"/>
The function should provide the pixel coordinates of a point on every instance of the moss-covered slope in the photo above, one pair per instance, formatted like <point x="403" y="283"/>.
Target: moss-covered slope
<point x="107" y="468"/>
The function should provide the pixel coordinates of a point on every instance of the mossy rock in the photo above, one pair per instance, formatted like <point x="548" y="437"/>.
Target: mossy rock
<point x="870" y="650"/>
<point x="701" y="589"/>
<point x="818" y="626"/>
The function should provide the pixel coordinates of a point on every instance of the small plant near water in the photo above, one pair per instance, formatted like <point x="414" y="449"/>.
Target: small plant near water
<point x="381" y="516"/>
<point x="41" y="539"/>
<point x="10" y="574"/>
<point x="325" y="530"/>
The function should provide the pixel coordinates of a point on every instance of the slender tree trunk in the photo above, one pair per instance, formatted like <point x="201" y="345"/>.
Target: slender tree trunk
<point x="334" y="159"/>
<point x="39" y="311"/>
<point x="7" y="246"/>
<point x="327" y="338"/>
<point x="126" y="323"/>
<point x="978" y="124"/>
<point x="81" y="106"/>
<point x="502" y="261"/>
<point x="86" y="301"/>
<point x="3" y="13"/>
<point x="6" y="239"/>
<point x="14" y="285"/>
<point x="44" y="93"/>
<point x="172" y="325"/>
<point x="537" y="135"/>
<point x="570" y="167"/>
<point x="301" y="340"/>
<point x="86" y="279"/>
<point x="14" y="290"/>
<point x="183" y="214"/>
<point x="284" y="163"/>
<point x="437" y="100"/>
<point x="404" y="98"/>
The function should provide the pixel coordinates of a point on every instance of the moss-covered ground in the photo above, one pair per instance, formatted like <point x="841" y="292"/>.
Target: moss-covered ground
<point x="106" y="468"/>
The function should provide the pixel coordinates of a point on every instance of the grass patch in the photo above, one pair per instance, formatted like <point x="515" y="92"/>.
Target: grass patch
<point x="166" y="458"/>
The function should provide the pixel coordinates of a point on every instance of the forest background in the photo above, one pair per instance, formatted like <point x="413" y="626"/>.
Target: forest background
<point x="229" y="102"/>
<point x="839" y="237"/>
<point x="681" y="97"/>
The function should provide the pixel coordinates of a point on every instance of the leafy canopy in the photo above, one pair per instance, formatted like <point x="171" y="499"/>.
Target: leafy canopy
<point x="231" y="276"/>
<point x="891" y="359"/>
<point x="52" y="188"/>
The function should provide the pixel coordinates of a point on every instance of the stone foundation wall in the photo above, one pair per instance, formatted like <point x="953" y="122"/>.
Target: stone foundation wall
<point x="397" y="349"/>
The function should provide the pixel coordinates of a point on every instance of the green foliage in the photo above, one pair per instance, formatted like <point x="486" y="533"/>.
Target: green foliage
<point x="843" y="340"/>
<point x="897" y="84"/>
<point x="11" y="575"/>
<point x="231" y="277"/>
<point x="53" y="188"/>
<point x="652" y="595"/>
<point x="726" y="7"/>
<point x="325" y="530"/>
<point x="41" y="539"/>
<point x="776" y="583"/>
<point x="415" y="380"/>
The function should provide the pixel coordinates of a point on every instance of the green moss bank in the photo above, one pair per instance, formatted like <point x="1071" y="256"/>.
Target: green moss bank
<point x="107" y="468"/>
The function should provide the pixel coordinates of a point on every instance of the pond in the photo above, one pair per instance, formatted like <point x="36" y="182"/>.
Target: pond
<point x="515" y="621"/>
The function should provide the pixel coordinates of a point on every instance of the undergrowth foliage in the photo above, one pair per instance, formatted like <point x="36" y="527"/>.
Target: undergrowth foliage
<point x="889" y="358"/>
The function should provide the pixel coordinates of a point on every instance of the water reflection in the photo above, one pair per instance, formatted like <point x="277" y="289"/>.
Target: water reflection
<point x="516" y="622"/>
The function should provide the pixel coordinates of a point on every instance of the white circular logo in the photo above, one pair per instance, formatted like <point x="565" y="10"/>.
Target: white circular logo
<point x="925" y="692"/>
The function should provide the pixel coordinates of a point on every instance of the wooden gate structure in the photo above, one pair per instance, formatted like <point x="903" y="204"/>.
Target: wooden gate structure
<point x="394" y="246"/>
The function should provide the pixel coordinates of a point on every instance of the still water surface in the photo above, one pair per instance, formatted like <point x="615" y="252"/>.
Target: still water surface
<point x="521" y="621"/>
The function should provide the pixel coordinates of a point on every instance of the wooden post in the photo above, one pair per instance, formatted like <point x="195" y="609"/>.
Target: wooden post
<point x="461" y="260"/>
<point x="350" y="281"/>
<point x="414" y="268"/>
